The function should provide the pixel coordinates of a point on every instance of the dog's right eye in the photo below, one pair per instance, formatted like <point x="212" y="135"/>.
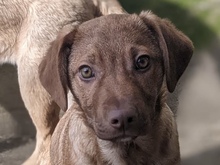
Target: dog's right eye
<point x="86" y="72"/>
<point x="142" y="62"/>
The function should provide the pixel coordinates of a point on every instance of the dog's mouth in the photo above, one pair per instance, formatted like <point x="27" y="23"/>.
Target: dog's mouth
<point x="124" y="139"/>
<point x="119" y="137"/>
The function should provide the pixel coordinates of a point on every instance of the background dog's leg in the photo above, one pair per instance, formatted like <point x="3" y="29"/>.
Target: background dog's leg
<point x="109" y="7"/>
<point x="44" y="113"/>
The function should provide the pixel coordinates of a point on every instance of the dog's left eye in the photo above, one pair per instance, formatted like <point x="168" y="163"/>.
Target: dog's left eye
<point x="142" y="62"/>
<point x="86" y="72"/>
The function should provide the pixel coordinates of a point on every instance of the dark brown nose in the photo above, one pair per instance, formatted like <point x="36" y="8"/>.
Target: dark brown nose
<point x="121" y="119"/>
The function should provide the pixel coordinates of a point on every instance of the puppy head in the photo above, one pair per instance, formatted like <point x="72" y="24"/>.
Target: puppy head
<point x="115" y="65"/>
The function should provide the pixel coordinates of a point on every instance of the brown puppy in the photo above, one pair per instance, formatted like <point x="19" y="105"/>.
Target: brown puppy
<point x="27" y="28"/>
<point x="117" y="68"/>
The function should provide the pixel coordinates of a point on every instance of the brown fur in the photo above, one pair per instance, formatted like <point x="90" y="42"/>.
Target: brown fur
<point x="27" y="28"/>
<point x="119" y="114"/>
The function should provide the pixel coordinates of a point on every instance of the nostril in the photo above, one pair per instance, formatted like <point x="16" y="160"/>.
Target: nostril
<point x="114" y="121"/>
<point x="130" y="119"/>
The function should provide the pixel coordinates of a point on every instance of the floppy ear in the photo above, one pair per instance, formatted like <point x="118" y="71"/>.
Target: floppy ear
<point x="53" y="68"/>
<point x="176" y="47"/>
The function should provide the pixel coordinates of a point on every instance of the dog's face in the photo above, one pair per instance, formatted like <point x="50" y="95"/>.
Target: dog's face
<point x="116" y="72"/>
<point x="115" y="66"/>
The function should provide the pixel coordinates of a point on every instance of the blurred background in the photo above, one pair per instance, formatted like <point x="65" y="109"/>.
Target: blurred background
<point x="198" y="92"/>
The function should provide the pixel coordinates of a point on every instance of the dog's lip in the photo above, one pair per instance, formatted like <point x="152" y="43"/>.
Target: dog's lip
<point x="126" y="138"/>
<point x="120" y="138"/>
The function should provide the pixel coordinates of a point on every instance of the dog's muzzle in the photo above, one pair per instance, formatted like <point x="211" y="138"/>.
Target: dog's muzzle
<point x="122" y="125"/>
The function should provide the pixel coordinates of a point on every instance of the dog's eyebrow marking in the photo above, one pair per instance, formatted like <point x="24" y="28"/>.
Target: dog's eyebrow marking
<point x="90" y="59"/>
<point x="140" y="50"/>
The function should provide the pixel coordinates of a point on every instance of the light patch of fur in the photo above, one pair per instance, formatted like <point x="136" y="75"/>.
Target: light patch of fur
<point x="107" y="7"/>
<point x="111" y="153"/>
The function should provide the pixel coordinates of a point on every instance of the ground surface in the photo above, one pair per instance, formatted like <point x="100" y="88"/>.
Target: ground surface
<point x="198" y="114"/>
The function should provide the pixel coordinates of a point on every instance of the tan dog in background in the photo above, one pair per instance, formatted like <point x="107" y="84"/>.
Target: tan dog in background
<point x="27" y="28"/>
<point x="118" y="68"/>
